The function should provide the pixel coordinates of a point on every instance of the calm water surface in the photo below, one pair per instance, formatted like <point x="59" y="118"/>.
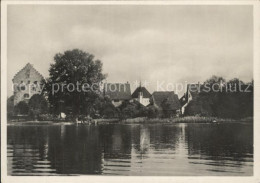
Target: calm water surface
<point x="178" y="149"/>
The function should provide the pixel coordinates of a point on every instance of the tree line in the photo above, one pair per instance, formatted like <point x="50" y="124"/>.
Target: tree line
<point x="78" y="67"/>
<point x="74" y="67"/>
<point x="233" y="99"/>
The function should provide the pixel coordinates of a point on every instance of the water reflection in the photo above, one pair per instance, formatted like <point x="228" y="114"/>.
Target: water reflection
<point x="180" y="149"/>
<point x="225" y="148"/>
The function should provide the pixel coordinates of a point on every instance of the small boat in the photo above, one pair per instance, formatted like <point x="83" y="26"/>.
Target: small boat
<point x="214" y="121"/>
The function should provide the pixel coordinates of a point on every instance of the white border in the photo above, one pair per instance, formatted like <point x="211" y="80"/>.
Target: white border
<point x="118" y="179"/>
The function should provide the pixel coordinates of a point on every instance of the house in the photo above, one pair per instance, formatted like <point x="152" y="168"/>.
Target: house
<point x="167" y="103"/>
<point x="142" y="95"/>
<point x="192" y="92"/>
<point x="26" y="83"/>
<point x="118" y="92"/>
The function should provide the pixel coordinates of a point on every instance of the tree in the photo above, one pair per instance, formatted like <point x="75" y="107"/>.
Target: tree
<point x="201" y="106"/>
<point x="131" y="110"/>
<point x="225" y="103"/>
<point x="233" y="85"/>
<point x="22" y="108"/>
<point x="37" y="105"/>
<point x="215" y="79"/>
<point x="128" y="110"/>
<point x="135" y="109"/>
<point x="10" y="107"/>
<point x="101" y="107"/>
<point x="165" y="109"/>
<point x="215" y="83"/>
<point x="77" y="76"/>
<point x="107" y="109"/>
<point x="152" y="111"/>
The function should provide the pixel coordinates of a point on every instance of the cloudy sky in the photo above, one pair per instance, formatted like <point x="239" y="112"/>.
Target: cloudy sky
<point x="164" y="44"/>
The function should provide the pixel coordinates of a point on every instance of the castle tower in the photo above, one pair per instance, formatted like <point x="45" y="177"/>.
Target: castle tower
<point x="26" y="83"/>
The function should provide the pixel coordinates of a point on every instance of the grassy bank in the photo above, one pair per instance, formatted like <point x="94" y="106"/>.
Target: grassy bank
<point x="142" y="120"/>
<point x="187" y="119"/>
<point x="63" y="122"/>
<point x="10" y="123"/>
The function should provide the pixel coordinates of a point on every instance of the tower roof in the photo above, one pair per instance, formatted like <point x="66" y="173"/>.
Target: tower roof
<point x="27" y="66"/>
<point x="139" y="89"/>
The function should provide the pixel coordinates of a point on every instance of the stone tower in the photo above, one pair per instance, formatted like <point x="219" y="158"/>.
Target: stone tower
<point x="26" y="83"/>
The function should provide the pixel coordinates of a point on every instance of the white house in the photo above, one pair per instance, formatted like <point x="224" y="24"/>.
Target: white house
<point x="142" y="95"/>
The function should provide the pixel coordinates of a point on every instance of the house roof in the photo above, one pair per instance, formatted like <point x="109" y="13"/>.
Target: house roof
<point x="170" y="98"/>
<point x="119" y="91"/>
<point x="29" y="67"/>
<point x="139" y="89"/>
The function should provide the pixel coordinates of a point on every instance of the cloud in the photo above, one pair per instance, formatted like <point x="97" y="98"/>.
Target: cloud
<point x="173" y="43"/>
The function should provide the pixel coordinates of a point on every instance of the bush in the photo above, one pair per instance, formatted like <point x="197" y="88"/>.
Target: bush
<point x="110" y="111"/>
<point x="103" y="108"/>
<point x="129" y="111"/>
<point x="10" y="107"/>
<point x="132" y="110"/>
<point x="152" y="112"/>
<point x="135" y="109"/>
<point x="21" y="108"/>
<point x="39" y="103"/>
<point x="49" y="117"/>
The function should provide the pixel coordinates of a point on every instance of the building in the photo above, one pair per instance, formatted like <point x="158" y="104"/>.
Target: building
<point x="118" y="92"/>
<point x="192" y="92"/>
<point x="26" y="83"/>
<point x="167" y="103"/>
<point x="142" y="95"/>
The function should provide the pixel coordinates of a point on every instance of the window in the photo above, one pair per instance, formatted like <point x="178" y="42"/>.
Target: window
<point x="28" y="81"/>
<point x="35" y="82"/>
<point x="21" y="81"/>
<point x="22" y="87"/>
<point x="26" y="95"/>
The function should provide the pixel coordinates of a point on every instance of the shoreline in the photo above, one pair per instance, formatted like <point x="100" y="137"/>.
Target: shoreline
<point x="140" y="120"/>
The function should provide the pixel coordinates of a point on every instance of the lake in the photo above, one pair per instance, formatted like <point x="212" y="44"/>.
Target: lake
<point x="118" y="149"/>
